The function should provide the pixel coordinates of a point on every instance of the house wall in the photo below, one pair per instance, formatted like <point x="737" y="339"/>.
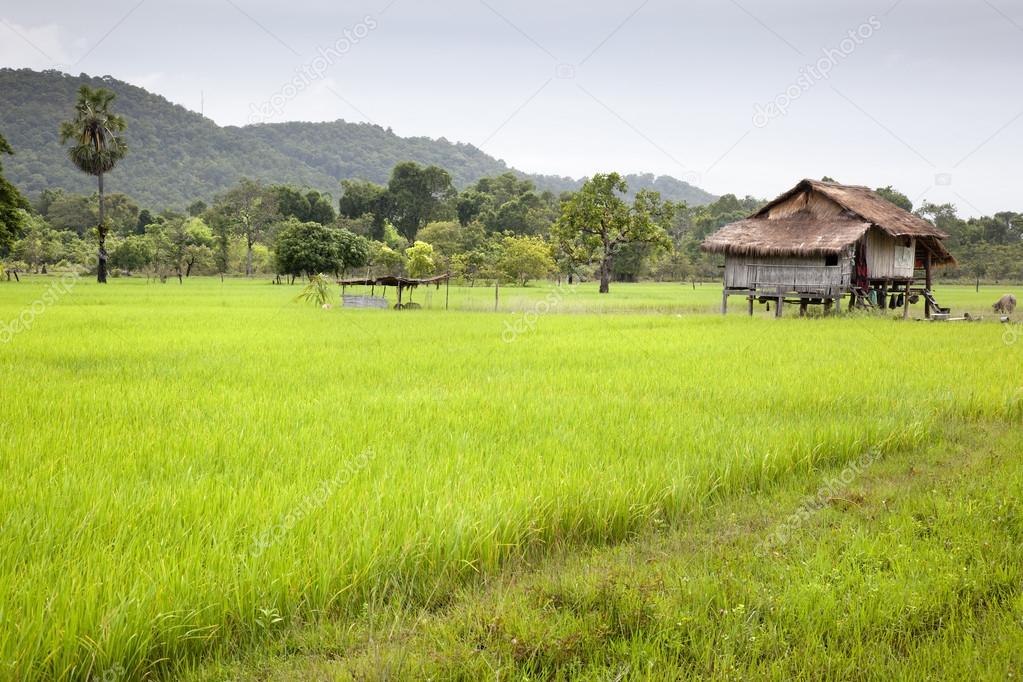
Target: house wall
<point x="888" y="257"/>
<point x="791" y="274"/>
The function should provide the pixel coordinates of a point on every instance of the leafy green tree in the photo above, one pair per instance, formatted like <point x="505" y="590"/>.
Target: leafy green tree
<point x="310" y="248"/>
<point x="470" y="205"/>
<point x="526" y="258"/>
<point x="352" y="249"/>
<point x="13" y="207"/>
<point x="446" y="236"/>
<point x="419" y="260"/>
<point x="132" y="253"/>
<point x="896" y="197"/>
<point x="360" y="199"/>
<point x="122" y="214"/>
<point x="197" y="208"/>
<point x="417" y="195"/>
<point x="248" y="209"/>
<point x="40" y="245"/>
<point x="179" y="243"/>
<point x="72" y="212"/>
<point x="321" y="208"/>
<point x="96" y="147"/>
<point x="144" y="219"/>
<point x="386" y="260"/>
<point x="597" y="222"/>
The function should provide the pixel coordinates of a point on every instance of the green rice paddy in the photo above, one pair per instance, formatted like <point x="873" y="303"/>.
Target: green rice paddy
<point x="186" y="469"/>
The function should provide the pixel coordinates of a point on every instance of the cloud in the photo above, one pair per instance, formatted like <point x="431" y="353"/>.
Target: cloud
<point x="34" y="47"/>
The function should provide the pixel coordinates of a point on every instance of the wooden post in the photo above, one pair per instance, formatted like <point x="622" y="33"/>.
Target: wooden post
<point x="447" y="290"/>
<point x="777" y="310"/>
<point x="802" y="307"/>
<point x="399" y="296"/>
<point x="884" y="296"/>
<point x="724" y="301"/>
<point x="750" y="301"/>
<point x="927" y="284"/>
<point x="905" y="303"/>
<point x="497" y="288"/>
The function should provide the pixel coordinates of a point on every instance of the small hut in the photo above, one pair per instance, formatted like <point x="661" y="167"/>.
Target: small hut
<point x="822" y="241"/>
<point x="402" y="284"/>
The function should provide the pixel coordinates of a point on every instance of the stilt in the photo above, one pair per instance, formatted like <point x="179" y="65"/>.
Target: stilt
<point x="777" y="309"/>
<point x="905" y="302"/>
<point x="802" y="307"/>
<point x="447" y="291"/>
<point x="927" y="284"/>
<point x="724" y="301"/>
<point x="749" y="300"/>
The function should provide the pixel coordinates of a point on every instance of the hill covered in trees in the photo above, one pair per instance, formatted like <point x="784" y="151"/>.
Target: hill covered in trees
<point x="177" y="156"/>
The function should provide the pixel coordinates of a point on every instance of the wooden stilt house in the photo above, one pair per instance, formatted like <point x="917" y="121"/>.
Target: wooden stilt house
<point x="822" y="241"/>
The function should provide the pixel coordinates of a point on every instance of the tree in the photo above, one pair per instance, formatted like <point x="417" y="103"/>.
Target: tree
<point x="247" y="209"/>
<point x="416" y="195"/>
<point x="40" y="244"/>
<point x="360" y="199"/>
<point x="352" y="249"/>
<point x="73" y="212"/>
<point x="13" y="207"/>
<point x="96" y="148"/>
<point x="419" y="260"/>
<point x="526" y="258"/>
<point x="896" y="197"/>
<point x="197" y="208"/>
<point x="179" y="243"/>
<point x="144" y="219"/>
<point x="309" y="248"/>
<point x="386" y="259"/>
<point x="597" y="222"/>
<point x="132" y="253"/>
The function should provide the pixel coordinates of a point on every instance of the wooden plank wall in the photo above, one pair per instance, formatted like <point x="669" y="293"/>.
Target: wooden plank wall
<point x="888" y="257"/>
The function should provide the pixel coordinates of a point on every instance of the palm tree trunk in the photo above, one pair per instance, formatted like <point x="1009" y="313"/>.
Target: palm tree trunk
<point x="101" y="265"/>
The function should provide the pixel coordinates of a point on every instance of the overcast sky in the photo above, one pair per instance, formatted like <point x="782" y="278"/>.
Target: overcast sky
<point x="743" y="96"/>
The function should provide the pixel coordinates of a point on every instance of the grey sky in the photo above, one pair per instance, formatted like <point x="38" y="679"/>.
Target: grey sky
<point x="925" y="97"/>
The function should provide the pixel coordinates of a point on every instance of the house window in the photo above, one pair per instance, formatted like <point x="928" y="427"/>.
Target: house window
<point x="831" y="259"/>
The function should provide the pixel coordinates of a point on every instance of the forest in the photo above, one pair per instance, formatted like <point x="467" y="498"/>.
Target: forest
<point x="179" y="156"/>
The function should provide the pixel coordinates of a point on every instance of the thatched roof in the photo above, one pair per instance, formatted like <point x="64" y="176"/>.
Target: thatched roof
<point x="801" y="233"/>
<point x="392" y="281"/>
<point x="795" y="224"/>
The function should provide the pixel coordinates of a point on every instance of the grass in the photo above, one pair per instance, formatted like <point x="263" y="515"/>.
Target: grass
<point x="189" y="471"/>
<point x="912" y="570"/>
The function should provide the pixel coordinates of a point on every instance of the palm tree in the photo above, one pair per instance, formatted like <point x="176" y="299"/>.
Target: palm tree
<point x="96" y="148"/>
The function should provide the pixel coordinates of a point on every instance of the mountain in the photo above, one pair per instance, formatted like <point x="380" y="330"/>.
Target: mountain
<point x="176" y="155"/>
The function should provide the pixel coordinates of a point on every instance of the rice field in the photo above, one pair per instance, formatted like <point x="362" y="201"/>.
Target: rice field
<point x="187" y="470"/>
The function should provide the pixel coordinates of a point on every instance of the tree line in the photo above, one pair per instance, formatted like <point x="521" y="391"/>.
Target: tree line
<point x="416" y="224"/>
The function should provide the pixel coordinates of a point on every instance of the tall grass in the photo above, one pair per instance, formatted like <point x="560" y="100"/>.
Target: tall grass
<point x="190" y="467"/>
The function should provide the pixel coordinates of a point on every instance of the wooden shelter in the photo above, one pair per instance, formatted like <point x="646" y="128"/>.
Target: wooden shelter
<point x="821" y="241"/>
<point x="401" y="283"/>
